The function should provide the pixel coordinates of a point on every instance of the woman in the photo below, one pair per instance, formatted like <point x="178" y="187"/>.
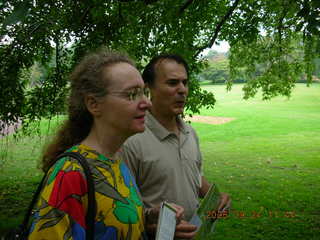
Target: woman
<point x="107" y="104"/>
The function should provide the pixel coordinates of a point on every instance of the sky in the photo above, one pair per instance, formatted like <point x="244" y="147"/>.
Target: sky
<point x="222" y="47"/>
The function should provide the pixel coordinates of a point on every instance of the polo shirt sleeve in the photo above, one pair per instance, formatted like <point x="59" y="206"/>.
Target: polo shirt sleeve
<point x="131" y="156"/>
<point x="198" y="150"/>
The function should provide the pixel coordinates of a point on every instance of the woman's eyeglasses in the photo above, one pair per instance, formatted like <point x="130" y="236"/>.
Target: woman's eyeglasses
<point x="134" y="94"/>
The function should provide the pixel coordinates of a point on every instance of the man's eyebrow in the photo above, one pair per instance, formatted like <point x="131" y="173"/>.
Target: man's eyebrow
<point x="176" y="79"/>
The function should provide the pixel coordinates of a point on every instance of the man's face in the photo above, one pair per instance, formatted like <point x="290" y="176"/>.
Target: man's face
<point x="170" y="89"/>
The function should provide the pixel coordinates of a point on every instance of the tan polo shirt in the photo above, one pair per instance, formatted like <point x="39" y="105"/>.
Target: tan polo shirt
<point x="165" y="167"/>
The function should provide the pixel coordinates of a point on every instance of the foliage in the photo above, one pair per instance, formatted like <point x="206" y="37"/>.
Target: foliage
<point x="43" y="32"/>
<point x="317" y="68"/>
<point x="217" y="70"/>
<point x="285" y="52"/>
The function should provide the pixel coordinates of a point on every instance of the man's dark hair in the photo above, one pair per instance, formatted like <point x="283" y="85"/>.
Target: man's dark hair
<point x="149" y="72"/>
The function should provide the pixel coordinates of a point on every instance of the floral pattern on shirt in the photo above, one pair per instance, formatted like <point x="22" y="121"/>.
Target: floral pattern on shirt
<point x="63" y="203"/>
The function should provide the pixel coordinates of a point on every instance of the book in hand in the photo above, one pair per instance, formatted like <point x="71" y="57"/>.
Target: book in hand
<point x="166" y="222"/>
<point x="207" y="213"/>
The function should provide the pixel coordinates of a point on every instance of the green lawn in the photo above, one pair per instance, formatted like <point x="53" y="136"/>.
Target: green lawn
<point x="268" y="159"/>
<point x="19" y="172"/>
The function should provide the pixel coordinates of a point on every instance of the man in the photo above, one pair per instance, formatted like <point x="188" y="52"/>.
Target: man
<point x="166" y="159"/>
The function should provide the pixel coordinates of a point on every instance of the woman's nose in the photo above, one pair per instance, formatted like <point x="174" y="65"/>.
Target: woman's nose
<point x="145" y="102"/>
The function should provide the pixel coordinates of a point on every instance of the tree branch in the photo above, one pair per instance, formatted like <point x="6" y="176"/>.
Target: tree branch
<point x="185" y="5"/>
<point x="85" y="13"/>
<point x="218" y="28"/>
<point x="11" y="46"/>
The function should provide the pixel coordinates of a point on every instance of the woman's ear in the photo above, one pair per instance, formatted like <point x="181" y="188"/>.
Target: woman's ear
<point x="92" y="105"/>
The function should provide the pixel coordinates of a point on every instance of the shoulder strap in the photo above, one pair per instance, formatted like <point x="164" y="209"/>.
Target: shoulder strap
<point x="91" y="211"/>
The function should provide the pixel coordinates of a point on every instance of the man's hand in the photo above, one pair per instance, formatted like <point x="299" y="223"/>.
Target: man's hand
<point x="185" y="230"/>
<point x="152" y="214"/>
<point x="225" y="202"/>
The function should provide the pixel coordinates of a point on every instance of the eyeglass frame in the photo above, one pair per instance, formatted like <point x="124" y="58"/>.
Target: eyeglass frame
<point x="132" y="95"/>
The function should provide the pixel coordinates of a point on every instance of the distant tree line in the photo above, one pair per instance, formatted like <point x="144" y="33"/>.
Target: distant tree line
<point x="217" y="70"/>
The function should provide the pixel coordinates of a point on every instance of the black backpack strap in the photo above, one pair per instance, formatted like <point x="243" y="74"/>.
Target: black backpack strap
<point x="91" y="211"/>
<point x="92" y="207"/>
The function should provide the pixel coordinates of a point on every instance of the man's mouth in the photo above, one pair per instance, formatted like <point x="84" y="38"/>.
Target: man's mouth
<point x="181" y="102"/>
<point x="140" y="116"/>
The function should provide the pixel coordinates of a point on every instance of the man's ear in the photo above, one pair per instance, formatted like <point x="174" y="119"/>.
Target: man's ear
<point x="92" y="105"/>
<point x="151" y="89"/>
<point x="148" y="85"/>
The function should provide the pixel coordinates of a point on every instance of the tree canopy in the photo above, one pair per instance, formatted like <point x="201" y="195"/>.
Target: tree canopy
<point x="279" y="36"/>
<point x="217" y="70"/>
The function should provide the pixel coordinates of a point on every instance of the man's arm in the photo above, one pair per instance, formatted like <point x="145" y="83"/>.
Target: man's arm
<point x="205" y="186"/>
<point x="225" y="200"/>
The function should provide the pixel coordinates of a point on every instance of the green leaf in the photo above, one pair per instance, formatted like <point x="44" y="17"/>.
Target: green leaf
<point x="19" y="14"/>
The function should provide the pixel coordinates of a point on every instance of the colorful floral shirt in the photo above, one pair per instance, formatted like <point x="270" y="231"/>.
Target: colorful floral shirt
<point x="62" y="205"/>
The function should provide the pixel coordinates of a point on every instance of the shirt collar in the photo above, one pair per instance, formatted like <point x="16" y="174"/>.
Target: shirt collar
<point x="161" y="132"/>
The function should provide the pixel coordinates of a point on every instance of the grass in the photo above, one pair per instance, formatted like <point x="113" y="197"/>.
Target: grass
<point x="19" y="172"/>
<point x="267" y="159"/>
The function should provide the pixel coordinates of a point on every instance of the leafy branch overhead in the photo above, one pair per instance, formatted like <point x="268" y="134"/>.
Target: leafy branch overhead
<point x="41" y="41"/>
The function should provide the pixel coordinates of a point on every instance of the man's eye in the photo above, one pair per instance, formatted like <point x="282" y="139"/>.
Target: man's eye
<point x="185" y="82"/>
<point x="172" y="83"/>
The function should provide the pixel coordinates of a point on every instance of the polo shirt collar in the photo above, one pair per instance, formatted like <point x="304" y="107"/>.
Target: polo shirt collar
<point x="183" y="126"/>
<point x="160" y="131"/>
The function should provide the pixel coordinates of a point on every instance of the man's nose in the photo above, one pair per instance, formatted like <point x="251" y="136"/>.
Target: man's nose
<point x="183" y="88"/>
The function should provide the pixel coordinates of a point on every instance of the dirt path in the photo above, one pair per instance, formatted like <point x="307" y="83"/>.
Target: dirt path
<point x="209" y="119"/>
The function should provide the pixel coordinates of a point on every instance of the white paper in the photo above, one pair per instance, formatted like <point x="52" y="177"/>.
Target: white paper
<point x="166" y="223"/>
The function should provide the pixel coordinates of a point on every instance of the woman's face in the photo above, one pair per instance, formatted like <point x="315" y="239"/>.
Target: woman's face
<point x="124" y="107"/>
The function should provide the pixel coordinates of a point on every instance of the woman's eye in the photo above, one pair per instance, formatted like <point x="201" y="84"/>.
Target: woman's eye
<point x="132" y="95"/>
